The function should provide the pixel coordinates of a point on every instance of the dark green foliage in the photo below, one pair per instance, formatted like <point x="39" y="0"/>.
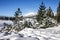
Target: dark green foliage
<point x="58" y="13"/>
<point x="28" y="24"/>
<point x="38" y="17"/>
<point x="58" y="19"/>
<point x="50" y="13"/>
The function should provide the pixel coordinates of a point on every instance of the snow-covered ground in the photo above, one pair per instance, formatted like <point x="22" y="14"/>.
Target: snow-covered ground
<point x="42" y="34"/>
<point x="33" y="34"/>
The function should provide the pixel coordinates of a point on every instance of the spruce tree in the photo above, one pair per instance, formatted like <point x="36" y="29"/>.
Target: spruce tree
<point x="17" y="14"/>
<point x="17" y="25"/>
<point x="50" y="13"/>
<point x="58" y="13"/>
<point x="41" y="12"/>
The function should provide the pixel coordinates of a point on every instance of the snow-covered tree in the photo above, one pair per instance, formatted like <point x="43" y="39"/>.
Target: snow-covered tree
<point x="41" y="12"/>
<point x="44" y="16"/>
<point x="18" y="18"/>
<point x="18" y="15"/>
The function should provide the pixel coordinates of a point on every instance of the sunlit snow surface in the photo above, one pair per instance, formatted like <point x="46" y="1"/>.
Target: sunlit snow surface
<point x="33" y="34"/>
<point x="42" y="34"/>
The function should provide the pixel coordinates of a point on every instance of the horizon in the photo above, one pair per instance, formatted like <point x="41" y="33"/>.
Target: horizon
<point x="9" y="7"/>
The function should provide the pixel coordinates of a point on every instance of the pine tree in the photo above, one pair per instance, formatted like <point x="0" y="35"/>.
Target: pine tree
<point x="50" y="13"/>
<point x="17" y="25"/>
<point x="18" y="13"/>
<point x="41" y="12"/>
<point x="58" y="13"/>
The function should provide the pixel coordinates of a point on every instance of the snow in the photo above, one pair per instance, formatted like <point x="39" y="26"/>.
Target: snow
<point x="5" y="21"/>
<point x="15" y="36"/>
<point x="33" y="34"/>
<point x="42" y="34"/>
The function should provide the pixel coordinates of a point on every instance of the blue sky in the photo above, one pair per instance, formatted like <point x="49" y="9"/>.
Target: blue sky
<point x="8" y="7"/>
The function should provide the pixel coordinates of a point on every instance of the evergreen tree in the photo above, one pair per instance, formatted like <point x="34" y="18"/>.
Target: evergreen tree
<point x="41" y="12"/>
<point x="58" y="13"/>
<point x="17" y="15"/>
<point x="50" y="13"/>
<point x="17" y="25"/>
<point x="18" y="12"/>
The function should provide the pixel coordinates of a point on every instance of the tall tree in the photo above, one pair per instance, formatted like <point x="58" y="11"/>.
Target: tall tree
<point x="41" y="12"/>
<point x="58" y="13"/>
